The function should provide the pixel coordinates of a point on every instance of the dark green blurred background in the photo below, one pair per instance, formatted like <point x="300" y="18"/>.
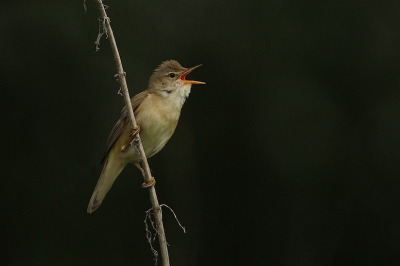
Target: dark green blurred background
<point x="288" y="156"/>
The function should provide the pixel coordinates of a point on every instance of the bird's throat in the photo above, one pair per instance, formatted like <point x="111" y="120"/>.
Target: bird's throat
<point x="176" y="99"/>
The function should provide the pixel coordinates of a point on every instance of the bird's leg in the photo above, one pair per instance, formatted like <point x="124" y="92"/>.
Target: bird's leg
<point x="138" y="167"/>
<point x="146" y="184"/>
<point x="135" y="130"/>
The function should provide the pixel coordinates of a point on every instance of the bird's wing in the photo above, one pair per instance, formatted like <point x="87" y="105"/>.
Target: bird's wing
<point x="122" y="122"/>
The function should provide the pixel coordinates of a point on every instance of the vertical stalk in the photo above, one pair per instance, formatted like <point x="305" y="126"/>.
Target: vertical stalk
<point x="147" y="175"/>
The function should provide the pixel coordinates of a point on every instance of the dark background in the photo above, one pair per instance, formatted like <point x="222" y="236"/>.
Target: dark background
<point x="288" y="156"/>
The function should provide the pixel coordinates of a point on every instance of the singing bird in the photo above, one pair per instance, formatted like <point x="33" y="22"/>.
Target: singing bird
<point x="157" y="112"/>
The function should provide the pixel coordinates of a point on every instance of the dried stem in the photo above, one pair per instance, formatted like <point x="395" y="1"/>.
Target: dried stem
<point x="176" y="218"/>
<point x="138" y="144"/>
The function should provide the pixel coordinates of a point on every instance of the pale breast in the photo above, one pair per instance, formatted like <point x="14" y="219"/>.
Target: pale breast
<point x="158" y="121"/>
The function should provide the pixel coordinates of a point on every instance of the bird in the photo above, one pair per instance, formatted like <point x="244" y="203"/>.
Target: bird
<point x="157" y="110"/>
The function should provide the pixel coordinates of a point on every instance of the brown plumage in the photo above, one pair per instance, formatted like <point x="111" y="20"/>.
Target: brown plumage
<point x="157" y="112"/>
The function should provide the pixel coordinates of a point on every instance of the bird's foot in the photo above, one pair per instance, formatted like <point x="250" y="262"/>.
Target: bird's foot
<point x="135" y="131"/>
<point x="149" y="183"/>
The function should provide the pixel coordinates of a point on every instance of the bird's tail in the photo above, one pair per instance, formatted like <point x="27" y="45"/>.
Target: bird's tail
<point x="111" y="170"/>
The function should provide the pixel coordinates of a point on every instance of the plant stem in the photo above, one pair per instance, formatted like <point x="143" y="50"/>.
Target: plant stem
<point x="142" y="156"/>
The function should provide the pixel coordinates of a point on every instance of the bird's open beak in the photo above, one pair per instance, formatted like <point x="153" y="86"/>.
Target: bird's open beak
<point x="183" y="76"/>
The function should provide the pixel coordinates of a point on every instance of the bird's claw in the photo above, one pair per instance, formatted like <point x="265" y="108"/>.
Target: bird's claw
<point x="135" y="131"/>
<point x="149" y="183"/>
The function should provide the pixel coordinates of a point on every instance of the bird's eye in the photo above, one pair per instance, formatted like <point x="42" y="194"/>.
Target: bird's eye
<point x="172" y="75"/>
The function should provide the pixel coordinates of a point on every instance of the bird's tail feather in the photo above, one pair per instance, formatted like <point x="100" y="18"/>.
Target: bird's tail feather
<point x="110" y="172"/>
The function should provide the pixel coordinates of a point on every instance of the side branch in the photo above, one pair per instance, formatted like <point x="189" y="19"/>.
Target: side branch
<point x="137" y="143"/>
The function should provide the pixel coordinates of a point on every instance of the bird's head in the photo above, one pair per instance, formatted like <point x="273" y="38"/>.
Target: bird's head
<point x="170" y="77"/>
